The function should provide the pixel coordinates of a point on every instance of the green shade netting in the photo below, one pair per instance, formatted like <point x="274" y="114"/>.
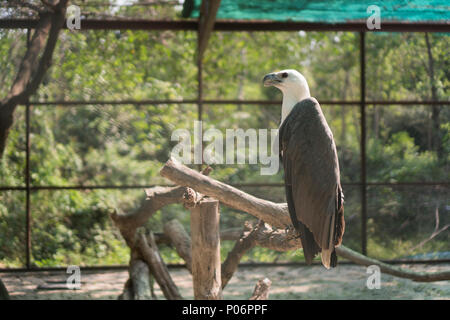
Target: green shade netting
<point x="325" y="11"/>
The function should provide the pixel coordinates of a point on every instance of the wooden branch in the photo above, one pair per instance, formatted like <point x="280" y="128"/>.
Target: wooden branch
<point x="206" y="268"/>
<point x="392" y="270"/>
<point x="261" y="291"/>
<point x="274" y="239"/>
<point x="156" y="198"/>
<point x="140" y="280"/>
<point x="436" y="231"/>
<point x="150" y="254"/>
<point x="246" y="242"/>
<point x="180" y="239"/>
<point x="32" y="68"/>
<point x="276" y="215"/>
<point x="230" y="234"/>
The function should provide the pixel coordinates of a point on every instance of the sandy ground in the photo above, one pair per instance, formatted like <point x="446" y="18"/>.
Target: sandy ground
<point x="314" y="282"/>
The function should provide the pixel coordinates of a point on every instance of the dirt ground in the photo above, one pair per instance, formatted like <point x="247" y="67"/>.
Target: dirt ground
<point x="314" y="282"/>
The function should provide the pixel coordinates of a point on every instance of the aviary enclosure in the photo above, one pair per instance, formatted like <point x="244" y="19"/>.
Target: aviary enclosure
<point x="87" y="117"/>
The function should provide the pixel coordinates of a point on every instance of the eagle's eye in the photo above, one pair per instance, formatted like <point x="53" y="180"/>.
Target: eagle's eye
<point x="284" y="75"/>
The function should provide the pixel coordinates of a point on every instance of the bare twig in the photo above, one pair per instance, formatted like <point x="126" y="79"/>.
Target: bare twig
<point x="435" y="232"/>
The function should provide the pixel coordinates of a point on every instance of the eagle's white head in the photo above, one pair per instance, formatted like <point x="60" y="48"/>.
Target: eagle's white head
<point x="293" y="85"/>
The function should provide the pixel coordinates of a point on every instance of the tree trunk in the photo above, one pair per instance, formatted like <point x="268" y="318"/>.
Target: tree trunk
<point x="205" y="235"/>
<point x="33" y="67"/>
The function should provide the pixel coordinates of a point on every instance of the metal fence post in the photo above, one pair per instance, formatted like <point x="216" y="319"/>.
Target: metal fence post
<point x="27" y="178"/>
<point x="200" y="93"/>
<point x="362" y="50"/>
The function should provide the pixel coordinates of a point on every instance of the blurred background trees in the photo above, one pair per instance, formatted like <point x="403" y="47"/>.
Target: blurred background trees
<point x="127" y="144"/>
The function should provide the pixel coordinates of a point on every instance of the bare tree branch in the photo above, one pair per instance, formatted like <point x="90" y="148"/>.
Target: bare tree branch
<point x="272" y="213"/>
<point x="32" y="69"/>
<point x="246" y="242"/>
<point x="180" y="239"/>
<point x="434" y="233"/>
<point x="277" y="213"/>
<point x="150" y="254"/>
<point x="156" y="198"/>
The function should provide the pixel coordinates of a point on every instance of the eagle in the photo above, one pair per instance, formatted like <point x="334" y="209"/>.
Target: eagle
<point x="311" y="168"/>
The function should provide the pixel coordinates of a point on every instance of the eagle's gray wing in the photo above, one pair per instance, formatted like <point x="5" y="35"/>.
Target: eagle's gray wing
<point x="312" y="180"/>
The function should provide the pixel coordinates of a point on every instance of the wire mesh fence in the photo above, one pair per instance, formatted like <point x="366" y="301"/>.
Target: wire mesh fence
<point x="379" y="213"/>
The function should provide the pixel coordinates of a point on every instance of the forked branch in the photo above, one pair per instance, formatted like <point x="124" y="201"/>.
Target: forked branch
<point x="275" y="214"/>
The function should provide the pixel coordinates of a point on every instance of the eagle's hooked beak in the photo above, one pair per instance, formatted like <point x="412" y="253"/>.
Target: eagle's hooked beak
<point x="271" y="79"/>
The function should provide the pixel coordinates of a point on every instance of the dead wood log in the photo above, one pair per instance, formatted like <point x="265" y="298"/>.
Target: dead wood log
<point x="140" y="280"/>
<point x="150" y="254"/>
<point x="276" y="215"/>
<point x="180" y="239"/>
<point x="205" y="235"/>
<point x="261" y="291"/>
